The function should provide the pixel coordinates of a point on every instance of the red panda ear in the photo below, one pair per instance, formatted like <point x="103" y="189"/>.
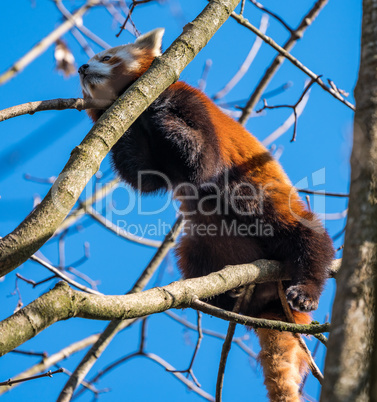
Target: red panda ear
<point x="152" y="41"/>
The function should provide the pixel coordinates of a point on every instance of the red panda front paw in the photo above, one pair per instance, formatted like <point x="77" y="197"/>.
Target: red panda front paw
<point x="301" y="299"/>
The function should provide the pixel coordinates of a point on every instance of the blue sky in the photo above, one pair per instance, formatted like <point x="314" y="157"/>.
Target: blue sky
<point x="40" y="145"/>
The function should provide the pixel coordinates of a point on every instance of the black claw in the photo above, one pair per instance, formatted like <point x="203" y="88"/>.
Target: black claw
<point x="301" y="300"/>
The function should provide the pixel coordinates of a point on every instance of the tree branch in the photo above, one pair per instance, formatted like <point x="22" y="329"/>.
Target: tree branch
<point x="63" y="302"/>
<point x="41" y="46"/>
<point x="284" y="53"/>
<point x="115" y="326"/>
<point x="53" y="104"/>
<point x="10" y="382"/>
<point x="279" y="59"/>
<point x="119" y="231"/>
<point x="85" y="159"/>
<point x="49" y="361"/>
<point x="256" y="323"/>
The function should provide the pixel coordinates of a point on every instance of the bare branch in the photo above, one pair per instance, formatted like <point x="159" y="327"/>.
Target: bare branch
<point x="42" y="46"/>
<point x="181" y="377"/>
<point x="161" y="362"/>
<point x="326" y="193"/>
<point x="63" y="302"/>
<point x="189" y="370"/>
<point x="10" y="382"/>
<point x="283" y="53"/>
<point x="57" y="272"/>
<point x="119" y="231"/>
<point x="115" y="326"/>
<point x="252" y="322"/>
<point x="248" y="61"/>
<point x="289" y="44"/>
<point x="53" y="104"/>
<point x="215" y="334"/>
<point x="88" y="385"/>
<point x="128" y="18"/>
<point x="78" y="23"/>
<point x="228" y="343"/>
<point x="274" y="15"/>
<point x="296" y="111"/>
<point x="202" y="83"/>
<point x="55" y="358"/>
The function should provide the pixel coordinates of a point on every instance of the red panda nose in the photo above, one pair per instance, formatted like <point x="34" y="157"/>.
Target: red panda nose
<point x="83" y="68"/>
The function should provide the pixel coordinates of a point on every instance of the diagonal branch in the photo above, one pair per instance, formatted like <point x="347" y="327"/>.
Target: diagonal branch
<point x="115" y="326"/>
<point x="42" y="46"/>
<point x="85" y="159"/>
<point x="283" y="53"/>
<point x="55" y="358"/>
<point x="279" y="59"/>
<point x="80" y="26"/>
<point x="247" y="62"/>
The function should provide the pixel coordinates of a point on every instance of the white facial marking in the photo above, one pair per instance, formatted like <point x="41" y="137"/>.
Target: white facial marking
<point x="128" y="58"/>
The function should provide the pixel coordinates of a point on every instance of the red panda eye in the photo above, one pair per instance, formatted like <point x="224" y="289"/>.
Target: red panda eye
<point x="106" y="58"/>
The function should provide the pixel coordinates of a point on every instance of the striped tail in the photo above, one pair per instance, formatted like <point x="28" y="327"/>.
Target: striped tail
<point x="283" y="360"/>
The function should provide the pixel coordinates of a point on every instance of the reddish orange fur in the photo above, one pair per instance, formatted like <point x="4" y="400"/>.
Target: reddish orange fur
<point x="283" y="360"/>
<point x="239" y="148"/>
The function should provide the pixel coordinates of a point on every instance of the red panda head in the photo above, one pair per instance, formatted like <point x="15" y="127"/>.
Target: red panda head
<point x="110" y="72"/>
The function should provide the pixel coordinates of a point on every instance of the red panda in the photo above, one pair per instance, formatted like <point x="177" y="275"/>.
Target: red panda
<point x="228" y="181"/>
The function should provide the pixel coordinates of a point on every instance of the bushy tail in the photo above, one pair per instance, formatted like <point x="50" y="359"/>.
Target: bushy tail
<point x="283" y="360"/>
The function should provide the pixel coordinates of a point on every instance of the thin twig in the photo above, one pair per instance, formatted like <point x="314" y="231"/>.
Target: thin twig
<point x="306" y="376"/>
<point x="189" y="370"/>
<point x="247" y="63"/>
<point x="48" y="180"/>
<point x="326" y="193"/>
<point x="292" y="119"/>
<point x="29" y="353"/>
<point x="238" y="341"/>
<point x="48" y="374"/>
<point x="34" y="283"/>
<point x="131" y="9"/>
<point x="119" y="231"/>
<point x="161" y="362"/>
<point x="274" y="15"/>
<point x="63" y="276"/>
<point x="78" y="23"/>
<point x="114" y="327"/>
<point x="307" y="199"/>
<point x="333" y="216"/>
<point x="259" y="322"/>
<point x="53" y="359"/>
<point x="179" y="376"/>
<point x="87" y="384"/>
<point x="43" y="45"/>
<point x="228" y="343"/>
<point x="82" y="42"/>
<point x="284" y="53"/>
<point x="293" y="107"/>
<point x="17" y="291"/>
<point x="242" y="7"/>
<point x="203" y="79"/>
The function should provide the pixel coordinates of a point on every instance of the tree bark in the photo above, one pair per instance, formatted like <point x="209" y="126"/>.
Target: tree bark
<point x="63" y="302"/>
<point x="347" y="370"/>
